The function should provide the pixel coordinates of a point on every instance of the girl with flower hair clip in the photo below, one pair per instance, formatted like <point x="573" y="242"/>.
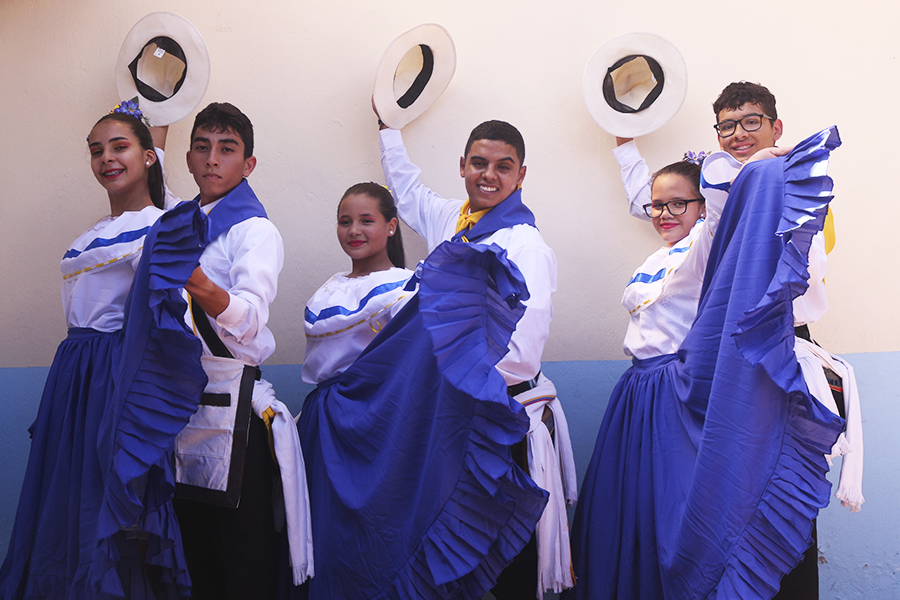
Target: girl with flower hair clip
<point x="95" y="518"/>
<point x="710" y="465"/>
<point x="662" y="298"/>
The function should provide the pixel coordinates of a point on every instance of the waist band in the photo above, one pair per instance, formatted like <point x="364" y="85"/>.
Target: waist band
<point x="653" y="363"/>
<point x="80" y="332"/>
<point x="515" y="390"/>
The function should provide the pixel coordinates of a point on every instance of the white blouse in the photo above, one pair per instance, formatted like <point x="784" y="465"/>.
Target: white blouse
<point x="345" y="315"/>
<point x="99" y="266"/>
<point x="664" y="292"/>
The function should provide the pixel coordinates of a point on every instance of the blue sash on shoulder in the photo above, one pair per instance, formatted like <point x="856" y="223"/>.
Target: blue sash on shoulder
<point x="506" y="214"/>
<point x="238" y="205"/>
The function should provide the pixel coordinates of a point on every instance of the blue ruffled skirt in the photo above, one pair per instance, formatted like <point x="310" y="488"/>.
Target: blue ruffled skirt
<point x="412" y="490"/>
<point x="100" y="475"/>
<point x="52" y="542"/>
<point x="709" y="466"/>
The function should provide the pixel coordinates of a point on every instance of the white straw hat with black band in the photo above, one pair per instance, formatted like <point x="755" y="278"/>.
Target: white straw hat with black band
<point x="164" y="62"/>
<point x="634" y="84"/>
<point x="413" y="72"/>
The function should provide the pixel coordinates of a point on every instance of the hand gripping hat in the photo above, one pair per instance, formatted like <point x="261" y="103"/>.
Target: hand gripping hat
<point x="634" y="84"/>
<point x="163" y="61"/>
<point x="413" y="72"/>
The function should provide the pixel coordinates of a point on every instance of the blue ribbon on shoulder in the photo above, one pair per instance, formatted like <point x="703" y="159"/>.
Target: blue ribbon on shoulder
<point x="238" y="205"/>
<point x="506" y="214"/>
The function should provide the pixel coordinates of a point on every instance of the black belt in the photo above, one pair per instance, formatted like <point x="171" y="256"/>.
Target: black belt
<point x="834" y="380"/>
<point x="515" y="390"/>
<point x="802" y="332"/>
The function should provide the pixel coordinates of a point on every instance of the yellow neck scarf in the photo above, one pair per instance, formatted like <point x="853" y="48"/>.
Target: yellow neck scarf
<point x="466" y="219"/>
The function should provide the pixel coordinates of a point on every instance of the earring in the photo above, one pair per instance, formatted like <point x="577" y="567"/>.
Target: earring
<point x="148" y="163"/>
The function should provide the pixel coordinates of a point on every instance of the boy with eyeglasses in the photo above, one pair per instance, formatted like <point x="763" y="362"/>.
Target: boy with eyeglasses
<point x="747" y="124"/>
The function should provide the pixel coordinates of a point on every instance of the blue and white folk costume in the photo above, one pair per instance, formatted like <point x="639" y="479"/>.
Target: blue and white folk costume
<point x="809" y="308"/>
<point x="413" y="493"/>
<point x="122" y="384"/>
<point x="243" y="255"/>
<point x="511" y="226"/>
<point x="709" y="465"/>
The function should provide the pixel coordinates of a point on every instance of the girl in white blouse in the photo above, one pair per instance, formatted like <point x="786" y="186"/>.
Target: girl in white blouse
<point x="53" y="551"/>
<point x="349" y="310"/>
<point x="662" y="298"/>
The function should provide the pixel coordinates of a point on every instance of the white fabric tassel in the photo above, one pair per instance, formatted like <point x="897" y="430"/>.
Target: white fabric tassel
<point x="812" y="359"/>
<point x="293" y="480"/>
<point x="557" y="477"/>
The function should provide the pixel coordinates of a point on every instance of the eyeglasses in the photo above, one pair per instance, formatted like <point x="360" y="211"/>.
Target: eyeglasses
<point x="675" y="207"/>
<point x="748" y="123"/>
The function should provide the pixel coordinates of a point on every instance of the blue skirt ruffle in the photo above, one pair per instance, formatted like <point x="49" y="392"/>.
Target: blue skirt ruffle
<point x="709" y="466"/>
<point x="412" y="490"/>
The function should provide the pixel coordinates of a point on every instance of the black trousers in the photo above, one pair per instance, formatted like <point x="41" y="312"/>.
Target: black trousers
<point x="803" y="582"/>
<point x="231" y="551"/>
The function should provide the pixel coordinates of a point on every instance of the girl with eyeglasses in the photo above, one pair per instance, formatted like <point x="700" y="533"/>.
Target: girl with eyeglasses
<point x="687" y="494"/>
<point x="662" y="295"/>
<point x="614" y="524"/>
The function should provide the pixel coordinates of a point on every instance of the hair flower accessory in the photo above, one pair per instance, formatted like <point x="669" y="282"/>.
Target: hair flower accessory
<point x="696" y="158"/>
<point x="131" y="107"/>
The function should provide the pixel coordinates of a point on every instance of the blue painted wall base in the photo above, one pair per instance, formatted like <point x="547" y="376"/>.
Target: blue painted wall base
<point x="859" y="554"/>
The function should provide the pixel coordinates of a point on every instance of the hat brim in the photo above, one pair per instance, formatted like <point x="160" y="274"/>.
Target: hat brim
<point x="196" y="79"/>
<point x="438" y="40"/>
<point x="663" y="108"/>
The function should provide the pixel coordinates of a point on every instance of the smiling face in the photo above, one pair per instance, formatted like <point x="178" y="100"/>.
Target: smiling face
<point x="216" y="160"/>
<point x="492" y="172"/>
<point x="666" y="188"/>
<point x="742" y="144"/>
<point x="363" y="234"/>
<point x="119" y="163"/>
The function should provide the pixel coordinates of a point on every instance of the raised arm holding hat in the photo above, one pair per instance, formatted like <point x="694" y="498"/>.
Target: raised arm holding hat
<point x="494" y="214"/>
<point x="690" y="430"/>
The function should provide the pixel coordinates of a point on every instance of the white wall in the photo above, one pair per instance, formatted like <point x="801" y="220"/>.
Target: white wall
<point x="303" y="72"/>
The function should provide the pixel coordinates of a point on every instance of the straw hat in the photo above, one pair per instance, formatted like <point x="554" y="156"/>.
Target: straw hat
<point x="634" y="84"/>
<point x="163" y="61"/>
<point x="414" y="71"/>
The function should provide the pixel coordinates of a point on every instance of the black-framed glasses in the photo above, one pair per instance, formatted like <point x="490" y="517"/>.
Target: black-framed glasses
<point x="675" y="207"/>
<point x="748" y="123"/>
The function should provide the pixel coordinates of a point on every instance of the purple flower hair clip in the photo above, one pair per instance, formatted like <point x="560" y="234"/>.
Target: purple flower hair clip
<point x="696" y="158"/>
<point x="128" y="107"/>
<point x="131" y="107"/>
